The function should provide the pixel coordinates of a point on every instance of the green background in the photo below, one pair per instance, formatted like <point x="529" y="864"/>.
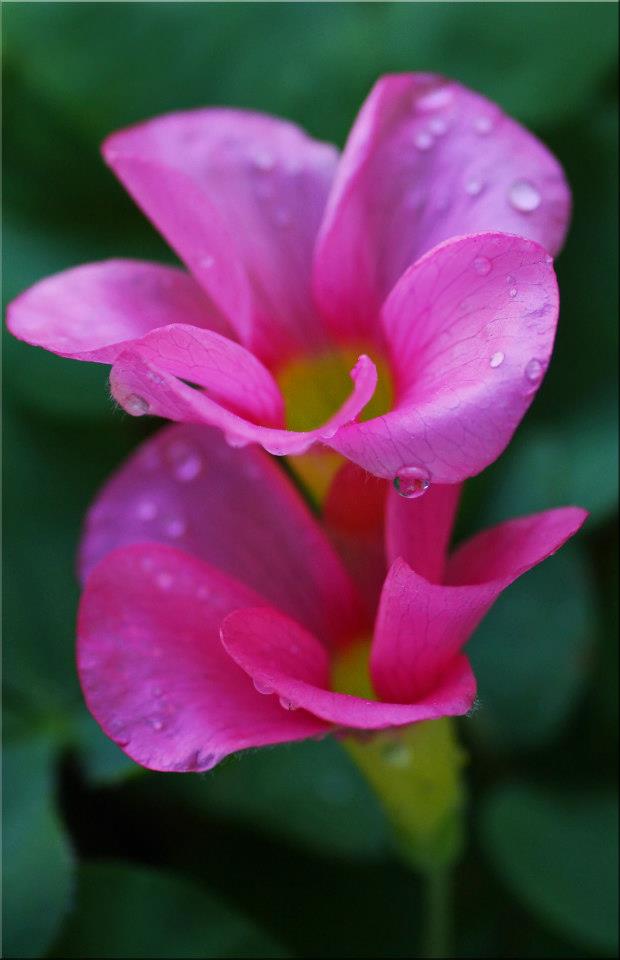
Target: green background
<point x="284" y="852"/>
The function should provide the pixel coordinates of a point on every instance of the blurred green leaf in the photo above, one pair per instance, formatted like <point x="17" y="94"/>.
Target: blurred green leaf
<point x="38" y="865"/>
<point x="309" y="793"/>
<point x="127" y="911"/>
<point x="558" y="852"/>
<point x="530" y="654"/>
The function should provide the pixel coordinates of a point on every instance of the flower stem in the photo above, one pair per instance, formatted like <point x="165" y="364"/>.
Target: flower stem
<point x="438" y="914"/>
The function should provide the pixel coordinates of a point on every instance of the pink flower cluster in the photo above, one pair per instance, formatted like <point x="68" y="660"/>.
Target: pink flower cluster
<point x="216" y="609"/>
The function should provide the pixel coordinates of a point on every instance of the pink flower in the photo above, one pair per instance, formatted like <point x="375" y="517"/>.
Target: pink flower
<point x="294" y="254"/>
<point x="217" y="611"/>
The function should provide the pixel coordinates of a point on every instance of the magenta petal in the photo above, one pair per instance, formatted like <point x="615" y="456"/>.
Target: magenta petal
<point x="470" y="330"/>
<point x="504" y="552"/>
<point x="420" y="630"/>
<point x="427" y="159"/>
<point x="153" y="671"/>
<point x="141" y="384"/>
<point x="230" y="373"/>
<point x="235" y="509"/>
<point x="418" y="531"/>
<point x="284" y="659"/>
<point x="95" y="311"/>
<point x="240" y="197"/>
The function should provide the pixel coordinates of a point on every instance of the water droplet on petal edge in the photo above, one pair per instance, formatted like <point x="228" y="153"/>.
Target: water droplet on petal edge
<point x="411" y="482"/>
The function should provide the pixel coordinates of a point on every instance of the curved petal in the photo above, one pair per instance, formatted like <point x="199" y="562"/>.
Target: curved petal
<point x="239" y="196"/>
<point x="96" y="311"/>
<point x="235" y="509"/>
<point x="421" y="626"/>
<point x="418" y="531"/>
<point x="470" y="329"/>
<point x="152" y="668"/>
<point x="230" y="373"/>
<point x="420" y="630"/>
<point x="510" y="549"/>
<point x="284" y="659"/>
<point x="141" y="384"/>
<point x="427" y="159"/>
<point x="353" y="516"/>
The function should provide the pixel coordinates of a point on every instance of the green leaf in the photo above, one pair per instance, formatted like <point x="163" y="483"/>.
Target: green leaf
<point x="127" y="911"/>
<point x="558" y="852"/>
<point x="38" y="865"/>
<point x="530" y="654"/>
<point x="309" y="793"/>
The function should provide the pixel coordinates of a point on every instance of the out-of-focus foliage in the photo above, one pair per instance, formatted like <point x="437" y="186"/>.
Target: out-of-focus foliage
<point x="285" y="851"/>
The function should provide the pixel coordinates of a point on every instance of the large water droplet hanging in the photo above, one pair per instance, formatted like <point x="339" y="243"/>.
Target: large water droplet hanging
<point x="411" y="482"/>
<point x="262" y="687"/>
<point x="533" y="371"/>
<point x="524" y="196"/>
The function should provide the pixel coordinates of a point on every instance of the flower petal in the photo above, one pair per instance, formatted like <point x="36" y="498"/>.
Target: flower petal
<point x="95" y="311"/>
<point x="235" y="509"/>
<point x="470" y="329"/>
<point x="510" y="549"/>
<point x="420" y="630"/>
<point x="353" y="516"/>
<point x="152" y="668"/>
<point x="141" y="384"/>
<point x="284" y="659"/>
<point x="418" y="531"/>
<point x="421" y="626"/>
<point x="427" y="159"/>
<point x="239" y="196"/>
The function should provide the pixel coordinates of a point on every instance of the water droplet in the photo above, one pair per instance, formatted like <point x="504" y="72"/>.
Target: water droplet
<point x="438" y="126"/>
<point x="164" y="581"/>
<point x="423" y="140"/>
<point x="146" y="510"/>
<point x="186" y="462"/>
<point x="288" y="704"/>
<point x="434" y="99"/>
<point x="482" y="265"/>
<point x="156" y="723"/>
<point x="473" y="187"/>
<point x="235" y="441"/>
<point x="497" y="359"/>
<point x="207" y="261"/>
<point x="524" y="196"/>
<point x="512" y="293"/>
<point x="262" y="687"/>
<point x="263" y="160"/>
<point x="136" y="406"/>
<point x="411" y="482"/>
<point x="175" y="527"/>
<point x="483" y="125"/>
<point x="548" y="260"/>
<point x="533" y="371"/>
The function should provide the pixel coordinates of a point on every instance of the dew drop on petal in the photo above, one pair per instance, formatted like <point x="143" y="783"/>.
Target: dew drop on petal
<point x="548" y="260"/>
<point x="186" y="462"/>
<point x="482" y="266"/>
<point x="438" y="126"/>
<point x="411" y="482"/>
<point x="524" y="196"/>
<point x="533" y="371"/>
<point x="146" y="510"/>
<point x="262" y="687"/>
<point x="497" y="359"/>
<point x="135" y="406"/>
<point x="473" y="187"/>
<point x="483" y="125"/>
<point x="288" y="704"/>
<point x="423" y="140"/>
<point x="156" y="723"/>
<point x="512" y="293"/>
<point x="435" y="99"/>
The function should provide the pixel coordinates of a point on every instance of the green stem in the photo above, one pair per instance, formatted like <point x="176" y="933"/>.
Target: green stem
<point x="438" y="918"/>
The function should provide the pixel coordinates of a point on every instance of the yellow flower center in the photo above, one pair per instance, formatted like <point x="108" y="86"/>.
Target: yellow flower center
<point x="351" y="670"/>
<point x="314" y="387"/>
